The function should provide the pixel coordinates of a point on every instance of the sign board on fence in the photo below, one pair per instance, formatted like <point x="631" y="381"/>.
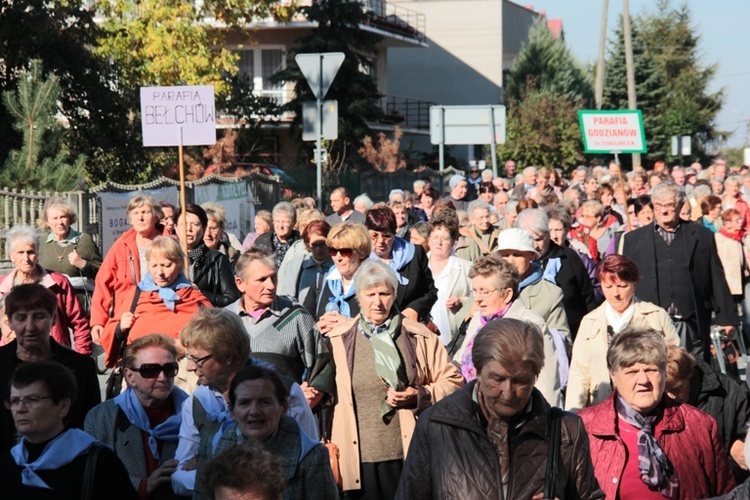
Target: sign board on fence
<point x="467" y="124"/>
<point x="618" y="131"/>
<point x="167" y="111"/>
<point x="238" y="201"/>
<point x="114" y="220"/>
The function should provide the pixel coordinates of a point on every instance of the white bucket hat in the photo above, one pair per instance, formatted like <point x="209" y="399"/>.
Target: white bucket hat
<point x="516" y="239"/>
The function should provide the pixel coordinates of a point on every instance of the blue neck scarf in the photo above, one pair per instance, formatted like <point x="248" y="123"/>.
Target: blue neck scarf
<point x="534" y="276"/>
<point x="168" y="430"/>
<point x="168" y="294"/>
<point x="336" y="286"/>
<point x="401" y="255"/>
<point x="215" y="405"/>
<point x="59" y="452"/>
<point x="553" y="267"/>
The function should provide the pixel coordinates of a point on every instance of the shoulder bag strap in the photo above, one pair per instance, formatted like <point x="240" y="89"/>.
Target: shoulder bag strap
<point x="553" y="456"/>
<point x="87" y="486"/>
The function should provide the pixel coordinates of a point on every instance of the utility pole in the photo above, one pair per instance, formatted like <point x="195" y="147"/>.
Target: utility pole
<point x="599" y="83"/>
<point x="629" y="67"/>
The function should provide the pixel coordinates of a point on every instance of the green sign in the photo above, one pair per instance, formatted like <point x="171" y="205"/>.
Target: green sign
<point x="618" y="131"/>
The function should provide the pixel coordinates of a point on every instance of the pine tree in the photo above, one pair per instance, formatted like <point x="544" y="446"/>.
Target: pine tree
<point x="42" y="163"/>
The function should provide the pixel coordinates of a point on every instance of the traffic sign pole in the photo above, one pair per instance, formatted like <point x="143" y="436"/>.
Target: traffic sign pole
<point x="318" y="163"/>
<point x="493" y="143"/>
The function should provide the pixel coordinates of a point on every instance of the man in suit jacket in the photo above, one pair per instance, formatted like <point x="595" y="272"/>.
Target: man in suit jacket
<point x="681" y="271"/>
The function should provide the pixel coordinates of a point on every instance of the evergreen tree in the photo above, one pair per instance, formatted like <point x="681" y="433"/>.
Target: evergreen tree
<point x="338" y="30"/>
<point x="545" y="64"/>
<point x="43" y="162"/>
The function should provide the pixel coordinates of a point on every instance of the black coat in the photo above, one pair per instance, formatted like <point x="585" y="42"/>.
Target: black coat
<point x="725" y="399"/>
<point x="318" y="296"/>
<point x="450" y="455"/>
<point x="215" y="279"/>
<point x="709" y="287"/>
<point x="420" y="294"/>
<point x="84" y="370"/>
<point x="573" y="279"/>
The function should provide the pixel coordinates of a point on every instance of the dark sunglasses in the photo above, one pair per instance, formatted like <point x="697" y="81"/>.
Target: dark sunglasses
<point x="345" y="252"/>
<point x="152" y="370"/>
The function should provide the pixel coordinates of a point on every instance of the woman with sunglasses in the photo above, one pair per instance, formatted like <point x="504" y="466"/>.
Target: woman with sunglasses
<point x="142" y="424"/>
<point x="165" y="303"/>
<point x="331" y="299"/>
<point x="416" y="288"/>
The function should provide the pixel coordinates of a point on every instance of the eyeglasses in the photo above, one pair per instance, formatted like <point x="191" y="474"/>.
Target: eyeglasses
<point x="665" y="206"/>
<point x="199" y="361"/>
<point x="483" y="294"/>
<point x="28" y="401"/>
<point x="320" y="244"/>
<point x="152" y="370"/>
<point x="345" y="252"/>
<point x="380" y="236"/>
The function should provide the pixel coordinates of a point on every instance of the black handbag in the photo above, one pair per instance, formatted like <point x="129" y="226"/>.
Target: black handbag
<point x="553" y="453"/>
<point x="114" y="381"/>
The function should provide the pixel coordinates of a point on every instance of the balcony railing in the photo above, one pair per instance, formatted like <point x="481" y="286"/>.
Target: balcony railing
<point x="396" y="19"/>
<point x="406" y="112"/>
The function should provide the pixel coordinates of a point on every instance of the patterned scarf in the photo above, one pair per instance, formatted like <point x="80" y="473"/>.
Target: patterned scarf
<point x="467" y="362"/>
<point x="280" y="249"/>
<point x="197" y="257"/>
<point x="656" y="469"/>
<point x="62" y="450"/>
<point x="389" y="364"/>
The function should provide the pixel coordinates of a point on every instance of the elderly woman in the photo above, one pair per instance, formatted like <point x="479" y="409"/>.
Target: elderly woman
<point x="67" y="251"/>
<point x="218" y="347"/>
<point x="142" y="423"/>
<point x="416" y="288"/>
<point x="53" y="461"/>
<point x="164" y="300"/>
<point x="349" y="246"/>
<point x="495" y="290"/>
<point x="125" y="263"/>
<point x="22" y="245"/>
<point x="732" y="198"/>
<point x="539" y="295"/>
<point x="451" y="276"/>
<point x="216" y="236"/>
<point x="298" y="274"/>
<point x="258" y="405"/>
<point x="262" y="224"/>
<point x="592" y="232"/>
<point x="277" y="241"/>
<point x="209" y="270"/>
<point x="693" y="381"/>
<point x="506" y="423"/>
<point x="589" y="377"/>
<point x="298" y="250"/>
<point x="644" y="444"/>
<point x="31" y="311"/>
<point x="389" y="369"/>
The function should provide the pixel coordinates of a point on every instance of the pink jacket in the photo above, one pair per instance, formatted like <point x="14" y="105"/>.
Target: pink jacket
<point x="69" y="313"/>
<point x="689" y="437"/>
<point x="120" y="273"/>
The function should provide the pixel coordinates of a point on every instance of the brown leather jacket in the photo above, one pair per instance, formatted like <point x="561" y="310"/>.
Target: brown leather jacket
<point x="450" y="455"/>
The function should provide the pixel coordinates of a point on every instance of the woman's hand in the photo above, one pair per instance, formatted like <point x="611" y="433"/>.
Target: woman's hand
<point x="161" y="475"/>
<point x="312" y="395"/>
<point x="76" y="260"/>
<point x="453" y="304"/>
<point x="410" y="313"/>
<point x="127" y="321"/>
<point x="96" y="334"/>
<point x="402" y="399"/>
<point x="329" y="320"/>
<point x="737" y="451"/>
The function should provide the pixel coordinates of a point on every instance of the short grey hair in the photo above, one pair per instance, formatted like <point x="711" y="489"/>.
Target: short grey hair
<point x="286" y="208"/>
<point x="476" y="205"/>
<point x="529" y="169"/>
<point x="533" y="221"/>
<point x="509" y="341"/>
<point x="216" y="212"/>
<point x="374" y="273"/>
<point x="733" y="179"/>
<point x="511" y="206"/>
<point x="637" y="345"/>
<point x="668" y="189"/>
<point x="363" y="199"/>
<point x="21" y="233"/>
<point x="419" y="183"/>
<point x="701" y="190"/>
<point x="559" y="213"/>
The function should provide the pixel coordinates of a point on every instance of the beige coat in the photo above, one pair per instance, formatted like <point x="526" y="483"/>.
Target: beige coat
<point x="434" y="371"/>
<point x="732" y="256"/>
<point x="588" y="383"/>
<point x="546" y="299"/>
<point x="548" y="381"/>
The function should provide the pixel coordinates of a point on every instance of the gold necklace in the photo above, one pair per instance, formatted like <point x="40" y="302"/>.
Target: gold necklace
<point x="60" y="256"/>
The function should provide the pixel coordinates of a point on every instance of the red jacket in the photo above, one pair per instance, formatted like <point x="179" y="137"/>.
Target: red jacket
<point x="69" y="313"/>
<point x="120" y="272"/>
<point x="153" y="317"/>
<point x="689" y="437"/>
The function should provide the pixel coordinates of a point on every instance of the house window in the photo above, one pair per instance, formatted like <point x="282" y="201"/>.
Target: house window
<point x="272" y="63"/>
<point x="247" y="63"/>
<point x="259" y="64"/>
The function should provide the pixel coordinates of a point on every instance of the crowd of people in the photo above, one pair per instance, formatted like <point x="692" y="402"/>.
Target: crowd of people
<point x="522" y="336"/>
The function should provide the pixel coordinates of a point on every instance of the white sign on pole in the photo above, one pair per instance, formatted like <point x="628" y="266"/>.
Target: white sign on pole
<point x="167" y="110"/>
<point x="114" y="220"/>
<point x="319" y="70"/>
<point x="618" y="131"/>
<point x="467" y="124"/>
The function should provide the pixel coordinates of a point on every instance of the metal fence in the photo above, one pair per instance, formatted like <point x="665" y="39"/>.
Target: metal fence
<point x="378" y="184"/>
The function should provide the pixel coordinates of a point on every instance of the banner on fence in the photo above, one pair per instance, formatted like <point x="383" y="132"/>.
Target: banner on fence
<point x="236" y="199"/>
<point x="114" y="219"/>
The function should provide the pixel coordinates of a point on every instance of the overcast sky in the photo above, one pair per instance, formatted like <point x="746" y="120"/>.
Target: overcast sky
<point x="722" y="26"/>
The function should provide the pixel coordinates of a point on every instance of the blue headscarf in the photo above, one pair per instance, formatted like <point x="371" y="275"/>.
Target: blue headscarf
<point x="62" y="450"/>
<point x="401" y="255"/>
<point x="169" y="430"/>
<point x="169" y="293"/>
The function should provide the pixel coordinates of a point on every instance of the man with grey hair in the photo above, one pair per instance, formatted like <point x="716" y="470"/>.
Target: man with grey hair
<point x="562" y="266"/>
<point x="362" y="204"/>
<point x="499" y="202"/>
<point x="279" y="240"/>
<point x="481" y="234"/>
<point x="681" y="270"/>
<point x="529" y="182"/>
